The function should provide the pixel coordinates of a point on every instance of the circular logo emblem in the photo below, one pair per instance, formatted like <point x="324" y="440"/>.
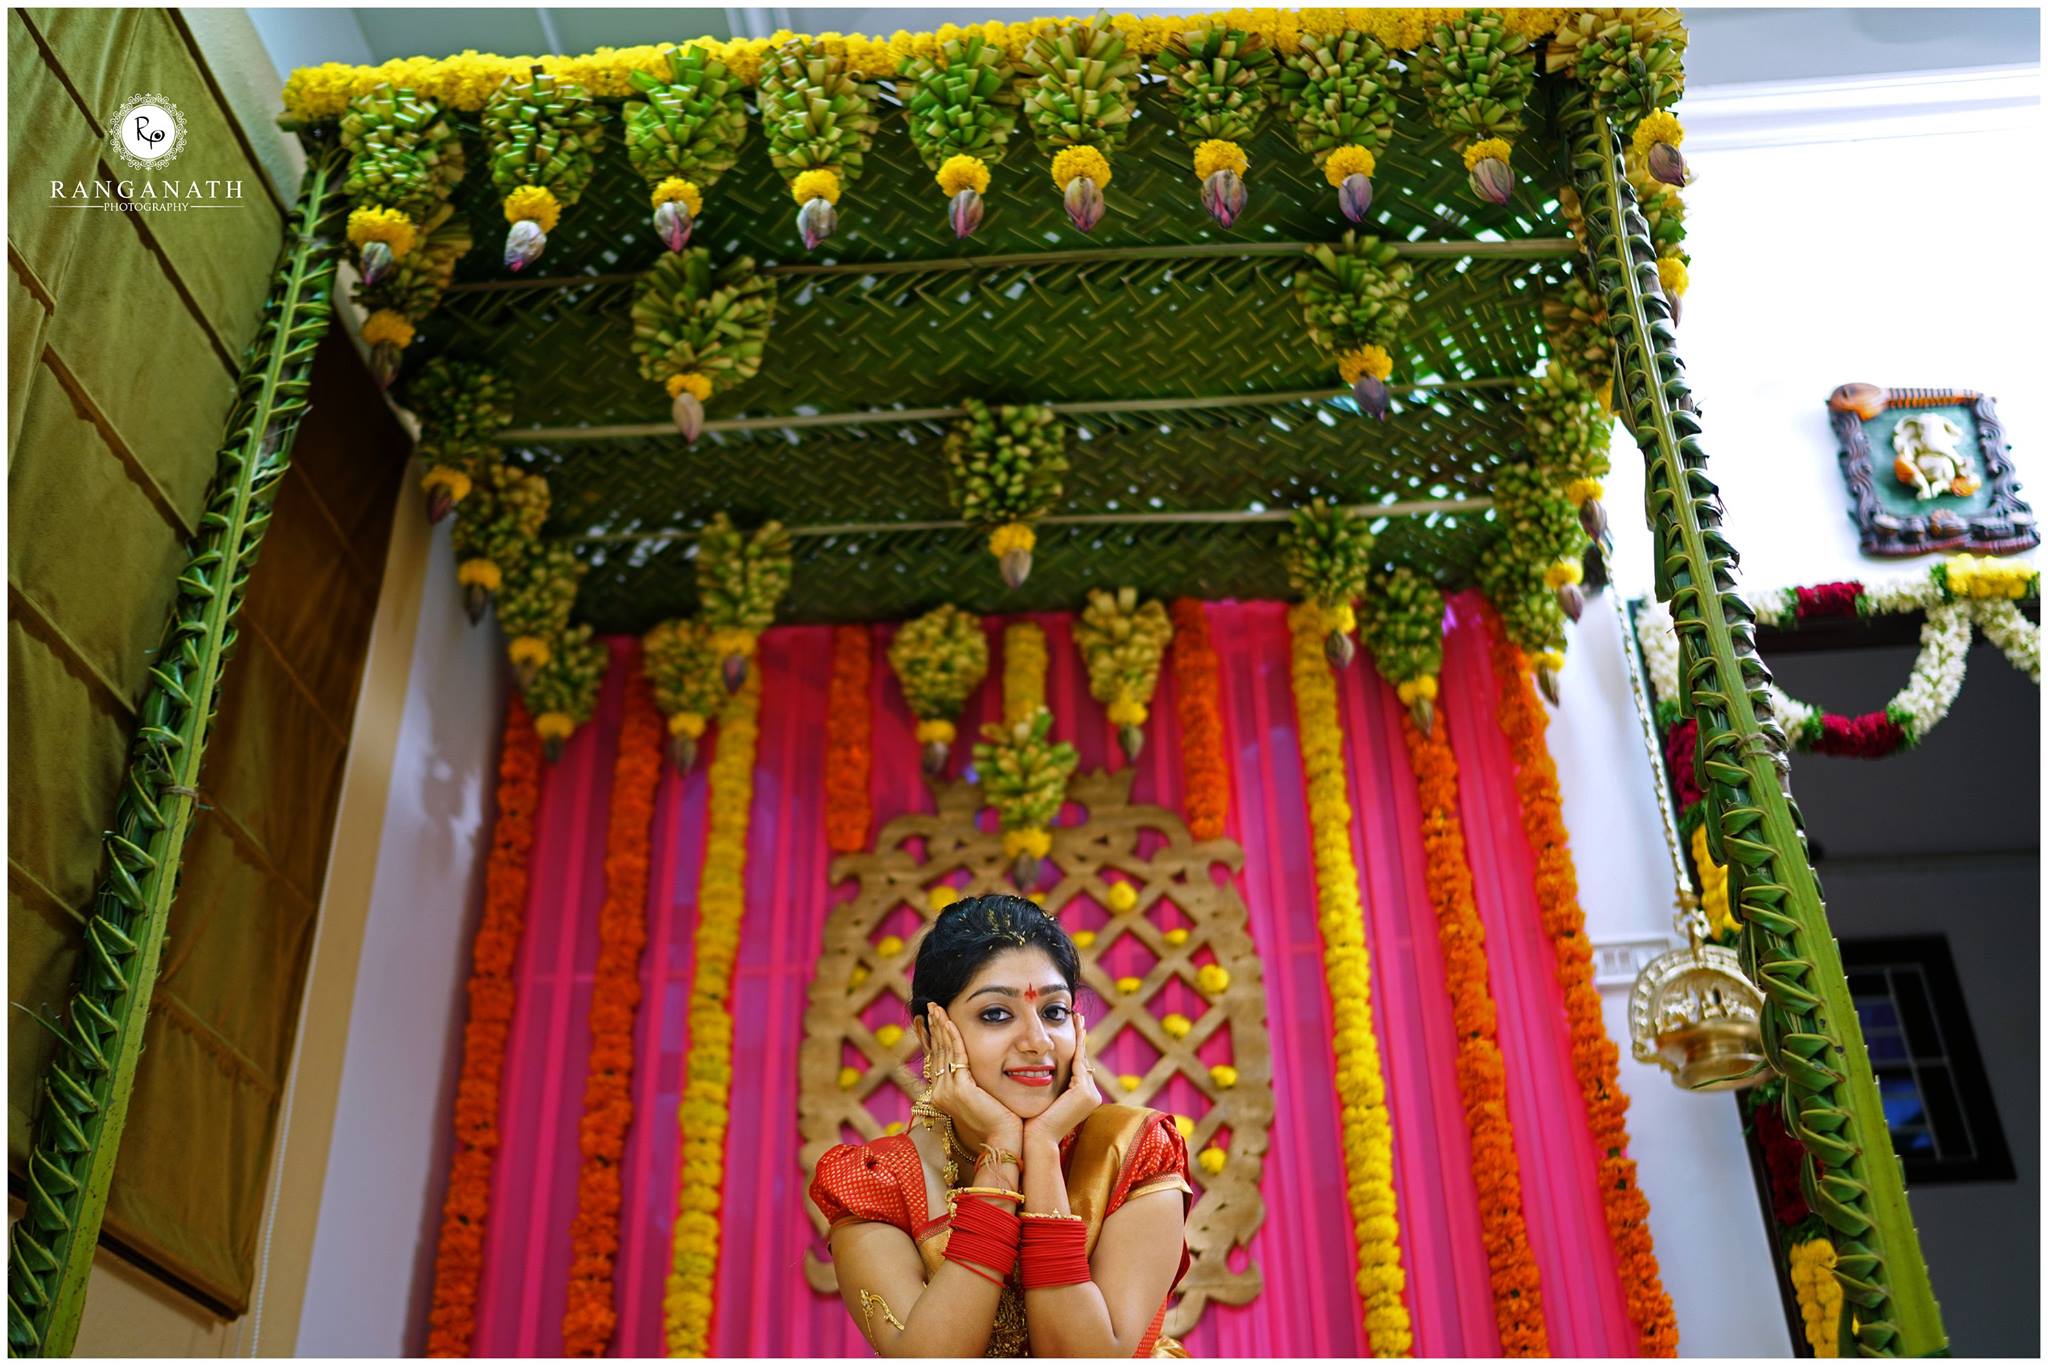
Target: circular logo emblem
<point x="147" y="132"/>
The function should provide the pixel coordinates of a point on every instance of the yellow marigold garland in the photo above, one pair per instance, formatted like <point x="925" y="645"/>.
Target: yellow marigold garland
<point x="590" y="1317"/>
<point x="459" y="1255"/>
<point x="389" y="226"/>
<point x="536" y="202"/>
<point x="707" y="1070"/>
<point x="1819" y="1295"/>
<point x="1346" y="162"/>
<point x="1482" y="1071"/>
<point x="963" y="172"/>
<point x="1595" y="1060"/>
<point x="1216" y="154"/>
<point x="1361" y="1087"/>
<point x="1080" y="161"/>
<point x="816" y="184"/>
<point x="1713" y="885"/>
<point x="1024" y="665"/>
<point x="848" y="752"/>
<point x="385" y="326"/>
<point x="678" y="190"/>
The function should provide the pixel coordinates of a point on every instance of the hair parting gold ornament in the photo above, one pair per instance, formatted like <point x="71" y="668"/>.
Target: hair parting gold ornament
<point x="1692" y="1011"/>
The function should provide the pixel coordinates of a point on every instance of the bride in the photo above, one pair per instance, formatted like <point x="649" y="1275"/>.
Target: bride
<point x="1021" y="1216"/>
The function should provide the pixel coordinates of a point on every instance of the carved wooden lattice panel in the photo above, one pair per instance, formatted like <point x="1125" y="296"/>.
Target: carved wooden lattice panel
<point x="853" y="1086"/>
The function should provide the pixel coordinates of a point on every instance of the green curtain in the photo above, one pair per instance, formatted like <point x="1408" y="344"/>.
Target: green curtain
<point x="126" y="335"/>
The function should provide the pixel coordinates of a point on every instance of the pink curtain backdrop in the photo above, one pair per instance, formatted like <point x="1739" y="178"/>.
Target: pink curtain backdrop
<point x="1304" y="1250"/>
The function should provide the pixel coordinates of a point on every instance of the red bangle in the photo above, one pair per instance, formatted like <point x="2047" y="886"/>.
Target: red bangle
<point x="1055" y="1253"/>
<point x="984" y="1234"/>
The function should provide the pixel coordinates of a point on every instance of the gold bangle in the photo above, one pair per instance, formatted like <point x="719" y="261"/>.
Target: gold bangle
<point x="953" y="1196"/>
<point x="1067" y="1218"/>
<point x="991" y="1151"/>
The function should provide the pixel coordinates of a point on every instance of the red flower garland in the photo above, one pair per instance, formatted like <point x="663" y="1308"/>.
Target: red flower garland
<point x="1678" y="762"/>
<point x="1594" y="1056"/>
<point x="588" y="1321"/>
<point x="1482" y="1072"/>
<point x="1826" y="600"/>
<point x="1872" y="735"/>
<point x="848" y="746"/>
<point x="1199" y="684"/>
<point x="459" y="1256"/>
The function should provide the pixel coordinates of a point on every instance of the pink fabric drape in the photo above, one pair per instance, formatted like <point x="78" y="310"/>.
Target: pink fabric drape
<point x="1305" y="1252"/>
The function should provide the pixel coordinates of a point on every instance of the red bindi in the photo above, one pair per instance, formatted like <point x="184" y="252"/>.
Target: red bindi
<point x="1031" y="993"/>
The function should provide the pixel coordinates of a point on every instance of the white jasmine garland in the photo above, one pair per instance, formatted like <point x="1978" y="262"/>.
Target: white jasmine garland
<point x="2005" y="626"/>
<point x="1937" y="674"/>
<point x="1659" y="639"/>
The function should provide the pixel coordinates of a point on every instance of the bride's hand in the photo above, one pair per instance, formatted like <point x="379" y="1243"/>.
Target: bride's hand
<point x="977" y="1116"/>
<point x="1080" y="1100"/>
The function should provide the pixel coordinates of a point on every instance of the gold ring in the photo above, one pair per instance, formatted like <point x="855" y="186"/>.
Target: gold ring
<point x="955" y="1067"/>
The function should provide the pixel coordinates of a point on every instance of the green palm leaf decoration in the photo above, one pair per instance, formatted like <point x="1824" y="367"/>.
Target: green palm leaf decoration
<point x="684" y="135"/>
<point x="961" y="112"/>
<point x="697" y="329"/>
<point x="1005" y="465"/>
<point x="940" y="658"/>
<point x="534" y="608"/>
<point x="563" y="693"/>
<point x="83" y="1095"/>
<point x="1477" y="74"/>
<point x="820" y="120"/>
<point x="403" y="297"/>
<point x="1401" y="621"/>
<point x="1329" y="561"/>
<point x="1354" y="302"/>
<point x="1217" y="77"/>
<point x="496" y="531"/>
<point x="1081" y="96"/>
<point x="682" y="663"/>
<point x="1850" y="1174"/>
<point x="461" y="406"/>
<point x="1340" y="92"/>
<point x="741" y="580"/>
<point x="404" y="159"/>
<point x="543" y="133"/>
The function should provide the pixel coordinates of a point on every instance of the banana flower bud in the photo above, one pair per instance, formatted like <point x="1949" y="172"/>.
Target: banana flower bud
<point x="965" y="213"/>
<point x="1084" y="203"/>
<point x="1223" y="196"/>
<point x="1371" y="393"/>
<point x="1354" y="196"/>
<point x="816" y="220"/>
<point x="672" y="224"/>
<point x="523" y="244"/>
<point x="1491" y="180"/>
<point x="376" y="260"/>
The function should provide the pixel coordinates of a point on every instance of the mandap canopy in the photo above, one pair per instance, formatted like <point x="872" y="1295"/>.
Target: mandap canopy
<point x="1336" y="303"/>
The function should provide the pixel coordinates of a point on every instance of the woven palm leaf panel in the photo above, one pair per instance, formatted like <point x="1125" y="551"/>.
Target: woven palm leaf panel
<point x="1158" y="307"/>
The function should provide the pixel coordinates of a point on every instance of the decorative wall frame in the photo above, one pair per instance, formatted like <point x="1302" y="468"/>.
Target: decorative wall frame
<point x="859" y="983"/>
<point x="1895" y="519"/>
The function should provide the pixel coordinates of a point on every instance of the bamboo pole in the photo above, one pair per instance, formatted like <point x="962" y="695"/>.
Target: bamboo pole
<point x="1850" y="1173"/>
<point x="83" y="1095"/>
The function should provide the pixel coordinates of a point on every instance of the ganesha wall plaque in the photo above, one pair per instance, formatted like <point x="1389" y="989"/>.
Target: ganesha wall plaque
<point x="1928" y="472"/>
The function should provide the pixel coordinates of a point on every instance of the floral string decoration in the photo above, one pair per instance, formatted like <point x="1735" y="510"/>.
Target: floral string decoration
<point x="1329" y="560"/>
<point x="1216" y="76"/>
<point x="1198" y="686"/>
<point x="682" y="664"/>
<point x="501" y="524"/>
<point x="940" y="658"/>
<point x="589" y="1318"/>
<point x="543" y="134"/>
<point x="1402" y="623"/>
<point x="1482" y="1071"/>
<point x="1005" y="465"/>
<point x="1122" y="644"/>
<point x="849" y="752"/>
<point x="563" y="693"/>
<point x="405" y="160"/>
<point x="1341" y="90"/>
<point x="1025" y="661"/>
<point x="962" y="106"/>
<point x="1023" y="774"/>
<point x="459" y="1254"/>
<point x="820" y="120"/>
<point x="1632" y="60"/>
<point x="682" y="134"/>
<point x="404" y="295"/>
<point x="1819" y="1295"/>
<point x="1354" y="301"/>
<point x="1081" y="94"/>
<point x="534" y="608"/>
<point x="707" y="1066"/>
<point x="460" y="407"/>
<point x="1575" y="327"/>
<point x="1595" y="1059"/>
<point x="1477" y="72"/>
<point x="696" y="327"/>
<point x="1361" y="1085"/>
<point x="740" y="581"/>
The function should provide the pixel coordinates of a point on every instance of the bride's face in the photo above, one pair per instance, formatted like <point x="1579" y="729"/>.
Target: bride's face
<point x="1016" y="1017"/>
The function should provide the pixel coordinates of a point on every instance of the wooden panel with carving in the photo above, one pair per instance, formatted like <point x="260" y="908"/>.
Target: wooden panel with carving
<point x="849" y="1078"/>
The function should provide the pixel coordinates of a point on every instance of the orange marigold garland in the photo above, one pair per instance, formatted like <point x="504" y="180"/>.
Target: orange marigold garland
<point x="1198" y="681"/>
<point x="1482" y="1072"/>
<point x="848" y="748"/>
<point x="1594" y="1056"/>
<point x="459" y="1256"/>
<point x="588" y="1321"/>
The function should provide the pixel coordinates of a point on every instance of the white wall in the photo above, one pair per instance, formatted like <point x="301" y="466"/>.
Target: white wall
<point x="387" y="1165"/>
<point x="1839" y="232"/>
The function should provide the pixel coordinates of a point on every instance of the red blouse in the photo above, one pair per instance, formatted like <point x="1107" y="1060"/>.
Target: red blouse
<point x="883" y="1182"/>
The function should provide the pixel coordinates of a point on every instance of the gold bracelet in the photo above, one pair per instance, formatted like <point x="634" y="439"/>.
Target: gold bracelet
<point x="1067" y="1218"/>
<point x="991" y="1151"/>
<point x="953" y="1196"/>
